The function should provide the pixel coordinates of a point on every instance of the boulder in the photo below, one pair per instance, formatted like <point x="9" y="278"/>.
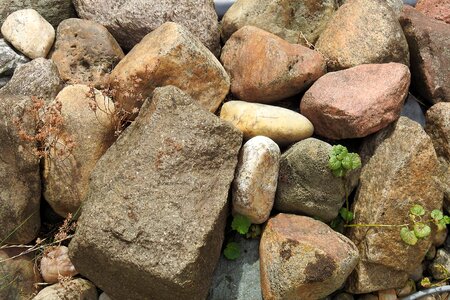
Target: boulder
<point x="363" y="32"/>
<point x="399" y="169"/>
<point x="265" y="68"/>
<point x="160" y="216"/>
<point x="438" y="9"/>
<point x="302" y="258"/>
<point x="85" y="52"/>
<point x="74" y="289"/>
<point x="413" y="110"/>
<point x="356" y="102"/>
<point x="440" y="267"/>
<point x="170" y="55"/>
<point x="10" y="59"/>
<point x="55" y="263"/>
<point x="395" y="5"/>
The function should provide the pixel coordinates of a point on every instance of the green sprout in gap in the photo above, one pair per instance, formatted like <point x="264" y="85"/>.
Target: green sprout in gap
<point x="243" y="226"/>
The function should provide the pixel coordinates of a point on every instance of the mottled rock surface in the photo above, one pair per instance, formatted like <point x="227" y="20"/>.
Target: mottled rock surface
<point x="10" y="59"/>
<point x="412" y="110"/>
<point x="56" y="262"/>
<point x="440" y="266"/>
<point x="74" y="289"/>
<point x="395" y="5"/>
<point x="438" y="9"/>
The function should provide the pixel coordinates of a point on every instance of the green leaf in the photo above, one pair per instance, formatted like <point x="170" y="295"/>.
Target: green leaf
<point x="334" y="163"/>
<point x="421" y="230"/>
<point x="417" y="210"/>
<point x="425" y="282"/>
<point x="336" y="223"/>
<point x="356" y="161"/>
<point x="346" y="214"/>
<point x="232" y="251"/>
<point x="446" y="220"/>
<point x="437" y="215"/>
<point x="347" y="162"/>
<point x="441" y="225"/>
<point x="338" y="173"/>
<point x="408" y="236"/>
<point x="241" y="224"/>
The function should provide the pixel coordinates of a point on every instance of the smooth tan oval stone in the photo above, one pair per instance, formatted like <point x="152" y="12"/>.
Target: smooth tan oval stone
<point x="55" y="263"/>
<point x="282" y="125"/>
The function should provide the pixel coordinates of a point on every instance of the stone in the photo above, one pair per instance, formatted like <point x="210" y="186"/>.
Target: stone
<point x="20" y="194"/>
<point x="438" y="9"/>
<point x="66" y="176"/>
<point x="440" y="267"/>
<point x="265" y="68"/>
<point x="390" y="294"/>
<point x="343" y="296"/>
<point x="408" y="289"/>
<point x="255" y="180"/>
<point x="4" y="80"/>
<point x="55" y="263"/>
<point x="307" y="186"/>
<point x="85" y="52"/>
<point x="302" y="258"/>
<point x="282" y="125"/>
<point x="9" y="59"/>
<point x="74" y="289"/>
<point x="363" y="32"/>
<point x="298" y="22"/>
<point x="395" y="5"/>
<point x="160" y="216"/>
<point x="238" y="279"/>
<point x="19" y="275"/>
<point x="412" y="110"/>
<point x="429" y="46"/>
<point x="170" y="55"/>
<point x="440" y="237"/>
<point x="356" y="102"/>
<point x="29" y="33"/>
<point x="431" y="253"/>
<point x="130" y="21"/>
<point x="104" y="296"/>
<point x="399" y="169"/>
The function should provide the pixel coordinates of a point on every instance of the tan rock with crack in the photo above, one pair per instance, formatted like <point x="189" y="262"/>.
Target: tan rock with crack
<point x="265" y="68"/>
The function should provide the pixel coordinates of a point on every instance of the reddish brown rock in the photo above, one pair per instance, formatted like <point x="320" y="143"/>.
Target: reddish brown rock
<point x="302" y="258"/>
<point x="429" y="45"/>
<point x="356" y="102"/>
<point x="265" y="68"/>
<point x="438" y="9"/>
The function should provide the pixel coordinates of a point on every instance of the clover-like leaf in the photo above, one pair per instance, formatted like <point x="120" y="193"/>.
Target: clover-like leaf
<point x="417" y="210"/>
<point x="232" y="251"/>
<point x="446" y="220"/>
<point x="408" y="236"/>
<point x="421" y="230"/>
<point x="347" y="162"/>
<point x="334" y="163"/>
<point x="241" y="224"/>
<point x="425" y="282"/>
<point x="346" y="214"/>
<point x="441" y="225"/>
<point x="338" y="172"/>
<point x="356" y="161"/>
<point x="437" y="215"/>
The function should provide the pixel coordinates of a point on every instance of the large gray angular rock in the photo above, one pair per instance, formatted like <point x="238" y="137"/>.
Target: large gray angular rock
<point x="159" y="217"/>
<point x="10" y="59"/>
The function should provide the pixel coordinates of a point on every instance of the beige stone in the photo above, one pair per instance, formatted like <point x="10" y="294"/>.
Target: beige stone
<point x="55" y="263"/>
<point x="74" y="289"/>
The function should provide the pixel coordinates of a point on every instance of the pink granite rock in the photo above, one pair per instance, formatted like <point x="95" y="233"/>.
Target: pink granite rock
<point x="438" y="9"/>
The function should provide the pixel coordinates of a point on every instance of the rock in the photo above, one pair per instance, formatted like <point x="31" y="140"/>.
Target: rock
<point x="9" y="59"/>
<point x="343" y="296"/>
<point x="358" y="101"/>
<point x="104" y="296"/>
<point x="238" y="279"/>
<point x="440" y="267"/>
<point x="410" y="2"/>
<point x="130" y="21"/>
<point x="281" y="125"/>
<point x="20" y="194"/>
<point x="395" y="5"/>
<point x="29" y="33"/>
<point x="66" y="176"/>
<point x="399" y="168"/>
<point x="165" y="203"/>
<point x="56" y="262"/>
<point x="287" y="20"/>
<point x="85" y="52"/>
<point x="4" y="81"/>
<point x="75" y="289"/>
<point x="408" y="289"/>
<point x="363" y="32"/>
<point x="387" y="295"/>
<point x="412" y="110"/>
<point x="429" y="45"/>
<point x="18" y="276"/>
<point x="307" y="186"/>
<point x="431" y="253"/>
<point x="38" y="78"/>
<point x="440" y="237"/>
<point x="438" y="9"/>
<point x="265" y="68"/>
<point x="255" y="180"/>
<point x="302" y="258"/>
<point x="170" y="55"/>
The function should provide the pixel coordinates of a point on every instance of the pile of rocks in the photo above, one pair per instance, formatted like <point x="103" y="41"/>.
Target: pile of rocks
<point x="151" y="125"/>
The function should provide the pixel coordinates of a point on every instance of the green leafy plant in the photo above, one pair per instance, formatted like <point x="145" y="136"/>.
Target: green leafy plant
<point x="243" y="226"/>
<point x="232" y="251"/>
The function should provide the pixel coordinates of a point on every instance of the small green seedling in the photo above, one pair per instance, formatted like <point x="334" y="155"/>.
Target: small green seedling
<point x="232" y="251"/>
<point x="242" y="225"/>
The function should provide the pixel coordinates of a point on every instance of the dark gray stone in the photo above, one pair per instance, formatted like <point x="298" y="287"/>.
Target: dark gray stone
<point x="413" y="111"/>
<point x="440" y="267"/>
<point x="9" y="59"/>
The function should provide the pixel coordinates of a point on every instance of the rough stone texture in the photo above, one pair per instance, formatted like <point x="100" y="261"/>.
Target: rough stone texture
<point x="56" y="262"/>
<point x="412" y="110"/>
<point x="238" y="279"/>
<point x="438" y="9"/>
<point x="265" y="68"/>
<point x="9" y="59"/>
<point x="85" y="52"/>
<point x="73" y="290"/>
<point x="255" y="180"/>
<point x="20" y="192"/>
<point x="363" y="32"/>
<point x="307" y="186"/>
<point x="429" y="45"/>
<point x="160" y="216"/>
<point x="395" y="5"/>
<point x="280" y="124"/>
<point x="387" y="295"/>
<point x="170" y="55"/>
<point x="29" y="33"/>
<point x="66" y="178"/>
<point x="399" y="169"/>
<point x="38" y="78"/>
<point x="129" y="21"/>
<point x="302" y="258"/>
<point x="287" y="19"/>
<point x="358" y="101"/>
<point x="440" y="266"/>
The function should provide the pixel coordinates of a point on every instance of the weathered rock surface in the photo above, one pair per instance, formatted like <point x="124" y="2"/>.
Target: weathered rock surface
<point x="56" y="262"/>
<point x="160" y="216"/>
<point x="399" y="171"/>
<point x="85" y="52"/>
<point x="170" y="55"/>
<point x="358" y="101"/>
<point x="438" y="9"/>
<point x="131" y="20"/>
<point x="75" y="289"/>
<point x="389" y="294"/>
<point x="363" y="32"/>
<point x="66" y="177"/>
<point x="255" y="180"/>
<point x="281" y="125"/>
<point x="29" y="33"/>
<point x="440" y="267"/>
<point x="19" y="173"/>
<point x="412" y="110"/>
<point x="307" y="186"/>
<point x="302" y="258"/>
<point x="429" y="46"/>
<point x="395" y="5"/>
<point x="265" y="68"/>
<point x="9" y="59"/>
<point x="288" y="20"/>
